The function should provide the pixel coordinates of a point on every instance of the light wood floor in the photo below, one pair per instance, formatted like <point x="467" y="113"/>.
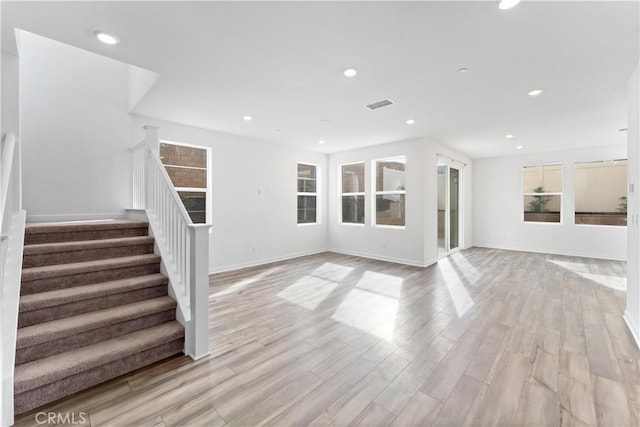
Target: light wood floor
<point x="485" y="337"/>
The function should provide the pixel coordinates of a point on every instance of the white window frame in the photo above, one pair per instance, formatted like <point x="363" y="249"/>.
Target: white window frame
<point x="525" y="194"/>
<point x="575" y="181"/>
<point x="209" y="190"/>
<point x="357" y="193"/>
<point x="316" y="194"/>
<point x="376" y="193"/>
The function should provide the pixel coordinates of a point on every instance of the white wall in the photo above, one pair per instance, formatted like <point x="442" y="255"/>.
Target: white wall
<point x="254" y="197"/>
<point x="416" y="243"/>
<point x="498" y="204"/>
<point x="75" y="131"/>
<point x="632" y="314"/>
<point x="10" y="93"/>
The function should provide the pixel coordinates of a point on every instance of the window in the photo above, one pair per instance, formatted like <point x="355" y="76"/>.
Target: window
<point x="390" y="191"/>
<point x="601" y="192"/>
<point x="187" y="168"/>
<point x="353" y="193"/>
<point x="542" y="191"/>
<point x="307" y="193"/>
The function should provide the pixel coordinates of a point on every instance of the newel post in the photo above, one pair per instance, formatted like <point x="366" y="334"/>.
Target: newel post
<point x="197" y="331"/>
<point x="152" y="139"/>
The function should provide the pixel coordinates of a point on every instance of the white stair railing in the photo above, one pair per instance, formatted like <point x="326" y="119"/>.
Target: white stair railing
<point x="12" y="225"/>
<point x="183" y="245"/>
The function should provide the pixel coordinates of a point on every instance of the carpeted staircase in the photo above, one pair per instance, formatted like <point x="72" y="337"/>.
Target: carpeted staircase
<point x="93" y="306"/>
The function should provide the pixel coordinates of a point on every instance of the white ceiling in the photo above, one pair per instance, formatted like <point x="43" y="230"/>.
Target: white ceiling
<point x="282" y="63"/>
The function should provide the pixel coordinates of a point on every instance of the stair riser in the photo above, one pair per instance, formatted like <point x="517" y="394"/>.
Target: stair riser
<point x="31" y="399"/>
<point x="40" y="260"/>
<point x="49" y="284"/>
<point x="47" y="314"/>
<point x="72" y="342"/>
<point x="75" y="236"/>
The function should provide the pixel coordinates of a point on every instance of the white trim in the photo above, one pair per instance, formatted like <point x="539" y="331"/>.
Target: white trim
<point x="542" y="194"/>
<point x="490" y="245"/>
<point x="191" y="189"/>
<point x="597" y="225"/>
<point x="395" y="227"/>
<point x="183" y="167"/>
<point x="76" y="217"/>
<point x="402" y="159"/>
<point x="351" y="163"/>
<point x="380" y="258"/>
<point x="384" y="193"/>
<point x="342" y="194"/>
<point x="183" y="144"/>
<point x="316" y="252"/>
<point x="629" y="321"/>
<point x="450" y="164"/>
<point x="265" y="261"/>
<point x="209" y="177"/>
<point x="315" y="194"/>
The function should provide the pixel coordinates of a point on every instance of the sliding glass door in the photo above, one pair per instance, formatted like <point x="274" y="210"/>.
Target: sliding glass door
<point x="449" y="206"/>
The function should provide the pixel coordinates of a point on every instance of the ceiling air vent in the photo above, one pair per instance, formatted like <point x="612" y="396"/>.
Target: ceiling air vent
<point x="379" y="104"/>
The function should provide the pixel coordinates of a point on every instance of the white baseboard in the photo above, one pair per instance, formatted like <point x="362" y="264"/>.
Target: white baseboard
<point x="76" y="217"/>
<point x="255" y="263"/>
<point x="629" y="321"/>
<point x="542" y="251"/>
<point x="380" y="258"/>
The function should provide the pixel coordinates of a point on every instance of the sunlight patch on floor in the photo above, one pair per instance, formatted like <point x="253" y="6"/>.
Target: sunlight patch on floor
<point x="331" y="271"/>
<point x="582" y="270"/>
<point x="460" y="297"/>
<point x="308" y="292"/>
<point x="244" y="283"/>
<point x="468" y="271"/>
<point x="383" y="284"/>
<point x="370" y="312"/>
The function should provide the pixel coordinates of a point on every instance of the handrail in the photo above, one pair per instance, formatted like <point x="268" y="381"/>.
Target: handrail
<point x="182" y="245"/>
<point x="12" y="224"/>
<point x="170" y="188"/>
<point x="8" y="149"/>
<point x="139" y="145"/>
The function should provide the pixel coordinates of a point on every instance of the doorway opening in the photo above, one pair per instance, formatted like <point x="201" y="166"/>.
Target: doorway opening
<point x="449" y="205"/>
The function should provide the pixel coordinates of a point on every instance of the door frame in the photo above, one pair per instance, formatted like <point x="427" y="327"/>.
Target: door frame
<point x="449" y="164"/>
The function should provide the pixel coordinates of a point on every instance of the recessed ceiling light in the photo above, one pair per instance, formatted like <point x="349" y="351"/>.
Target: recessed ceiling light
<point x="508" y="4"/>
<point x="535" y="92"/>
<point x="623" y="130"/>
<point x="321" y="142"/>
<point x="463" y="70"/>
<point x="410" y="121"/>
<point x="325" y="120"/>
<point x="350" y="72"/>
<point x="519" y="147"/>
<point x="510" y="136"/>
<point x="247" y="118"/>
<point x="106" y="38"/>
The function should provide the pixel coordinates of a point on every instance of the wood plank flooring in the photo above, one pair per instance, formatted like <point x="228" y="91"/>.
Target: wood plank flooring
<point x="483" y="338"/>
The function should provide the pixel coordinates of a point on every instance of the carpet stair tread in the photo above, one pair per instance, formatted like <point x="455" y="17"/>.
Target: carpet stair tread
<point x="61" y="328"/>
<point x="58" y="270"/>
<point x="80" y="293"/>
<point x="47" y="370"/>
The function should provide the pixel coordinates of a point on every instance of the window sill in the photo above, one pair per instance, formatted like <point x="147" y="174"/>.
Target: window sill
<point x="307" y="224"/>
<point x="392" y="227"/>
<point x="541" y="222"/>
